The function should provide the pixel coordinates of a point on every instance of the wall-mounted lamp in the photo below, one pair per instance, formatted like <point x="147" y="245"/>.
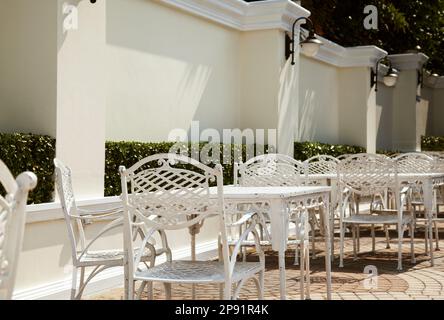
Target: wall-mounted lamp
<point x="309" y="46"/>
<point x="390" y="78"/>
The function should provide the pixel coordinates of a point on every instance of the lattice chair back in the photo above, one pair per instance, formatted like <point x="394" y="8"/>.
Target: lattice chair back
<point x="169" y="192"/>
<point x="76" y="231"/>
<point x="438" y="157"/>
<point x="367" y="174"/>
<point x="414" y="163"/>
<point x="269" y="170"/>
<point x="322" y="164"/>
<point x="12" y="225"/>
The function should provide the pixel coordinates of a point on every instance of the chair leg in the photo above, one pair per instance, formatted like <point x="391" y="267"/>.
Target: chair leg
<point x="82" y="284"/>
<point x="221" y="291"/>
<point x="302" y="270"/>
<point x="140" y="290"/>
<point x="313" y="239"/>
<point x="435" y="224"/>
<point x="387" y="237"/>
<point x="261" y="285"/>
<point x="296" y="255"/>
<point x="412" y="239"/>
<point x="130" y="290"/>
<point x="358" y="238"/>
<point x="168" y="291"/>
<point x="426" y="238"/>
<point x="373" y="239"/>
<point x="400" y="237"/>
<point x="74" y="283"/>
<point x="341" y="245"/>
<point x="307" y="274"/>
<point x="355" y="255"/>
<point x="150" y="291"/>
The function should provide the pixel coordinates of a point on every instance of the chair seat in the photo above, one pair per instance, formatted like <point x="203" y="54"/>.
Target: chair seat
<point x="111" y="257"/>
<point x="251" y="243"/>
<point x="197" y="272"/>
<point x="375" y="219"/>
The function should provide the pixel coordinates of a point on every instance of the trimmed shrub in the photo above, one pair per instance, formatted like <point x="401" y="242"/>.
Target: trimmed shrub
<point x="30" y="152"/>
<point x="432" y="143"/>
<point x="306" y="150"/>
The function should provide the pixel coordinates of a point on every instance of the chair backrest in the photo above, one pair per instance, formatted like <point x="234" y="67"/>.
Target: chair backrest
<point x="438" y="157"/>
<point x="367" y="174"/>
<point x="321" y="164"/>
<point x="65" y="191"/>
<point x="169" y="192"/>
<point x="414" y="162"/>
<point x="269" y="170"/>
<point x="12" y="224"/>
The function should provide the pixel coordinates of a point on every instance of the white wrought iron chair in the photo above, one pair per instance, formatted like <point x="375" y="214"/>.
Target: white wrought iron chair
<point x="77" y="220"/>
<point x="411" y="163"/>
<point x="12" y="225"/>
<point x="280" y="170"/>
<point x="318" y="170"/>
<point x="164" y="195"/>
<point x="366" y="175"/>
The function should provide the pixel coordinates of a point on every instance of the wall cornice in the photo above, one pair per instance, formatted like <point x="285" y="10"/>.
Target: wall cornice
<point x="244" y="16"/>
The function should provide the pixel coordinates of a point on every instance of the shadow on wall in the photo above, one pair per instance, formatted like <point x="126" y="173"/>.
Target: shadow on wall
<point x="310" y="108"/>
<point x="167" y="65"/>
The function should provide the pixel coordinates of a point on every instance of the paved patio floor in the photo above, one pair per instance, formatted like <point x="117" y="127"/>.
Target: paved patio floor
<point x="419" y="281"/>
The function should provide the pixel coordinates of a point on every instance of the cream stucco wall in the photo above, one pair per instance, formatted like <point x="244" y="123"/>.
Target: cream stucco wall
<point x="384" y="116"/>
<point x="357" y="114"/>
<point x="28" y="66"/>
<point x="81" y="98"/>
<point x="167" y="68"/>
<point x="437" y="113"/>
<point x="318" y="118"/>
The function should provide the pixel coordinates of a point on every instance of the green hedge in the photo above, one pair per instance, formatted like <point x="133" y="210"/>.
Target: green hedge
<point x="432" y="143"/>
<point x="29" y="152"/>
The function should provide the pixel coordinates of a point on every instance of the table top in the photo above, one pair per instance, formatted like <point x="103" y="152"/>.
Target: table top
<point x="232" y="192"/>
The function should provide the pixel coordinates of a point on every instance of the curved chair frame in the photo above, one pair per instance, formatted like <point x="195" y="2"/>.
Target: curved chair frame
<point x="166" y="196"/>
<point x="12" y="225"/>
<point x="77" y="220"/>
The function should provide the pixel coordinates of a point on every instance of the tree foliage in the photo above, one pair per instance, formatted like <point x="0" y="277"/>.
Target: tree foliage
<point x="403" y="25"/>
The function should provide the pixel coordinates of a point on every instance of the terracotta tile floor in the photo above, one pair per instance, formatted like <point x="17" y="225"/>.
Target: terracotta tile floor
<point x="419" y="281"/>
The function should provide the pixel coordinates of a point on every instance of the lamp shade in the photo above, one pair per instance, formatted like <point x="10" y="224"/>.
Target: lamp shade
<point x="391" y="77"/>
<point x="310" y="46"/>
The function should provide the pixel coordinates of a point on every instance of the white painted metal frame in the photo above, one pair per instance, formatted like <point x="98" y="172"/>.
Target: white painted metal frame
<point x="77" y="220"/>
<point x="166" y="196"/>
<point x="367" y="175"/>
<point x="12" y="225"/>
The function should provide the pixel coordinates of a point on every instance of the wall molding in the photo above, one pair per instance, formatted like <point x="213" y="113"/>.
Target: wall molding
<point x="107" y="280"/>
<point x="408" y="61"/>
<point x="244" y="16"/>
<point x="435" y="82"/>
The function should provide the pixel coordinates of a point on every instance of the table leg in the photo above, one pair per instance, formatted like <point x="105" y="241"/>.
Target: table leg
<point x="326" y="213"/>
<point x="279" y="236"/>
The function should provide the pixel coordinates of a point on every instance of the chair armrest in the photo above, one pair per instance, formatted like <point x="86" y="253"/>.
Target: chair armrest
<point x="100" y="214"/>
<point x="244" y="219"/>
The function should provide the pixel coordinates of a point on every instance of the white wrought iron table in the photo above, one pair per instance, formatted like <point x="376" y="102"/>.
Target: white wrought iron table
<point x="278" y="200"/>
